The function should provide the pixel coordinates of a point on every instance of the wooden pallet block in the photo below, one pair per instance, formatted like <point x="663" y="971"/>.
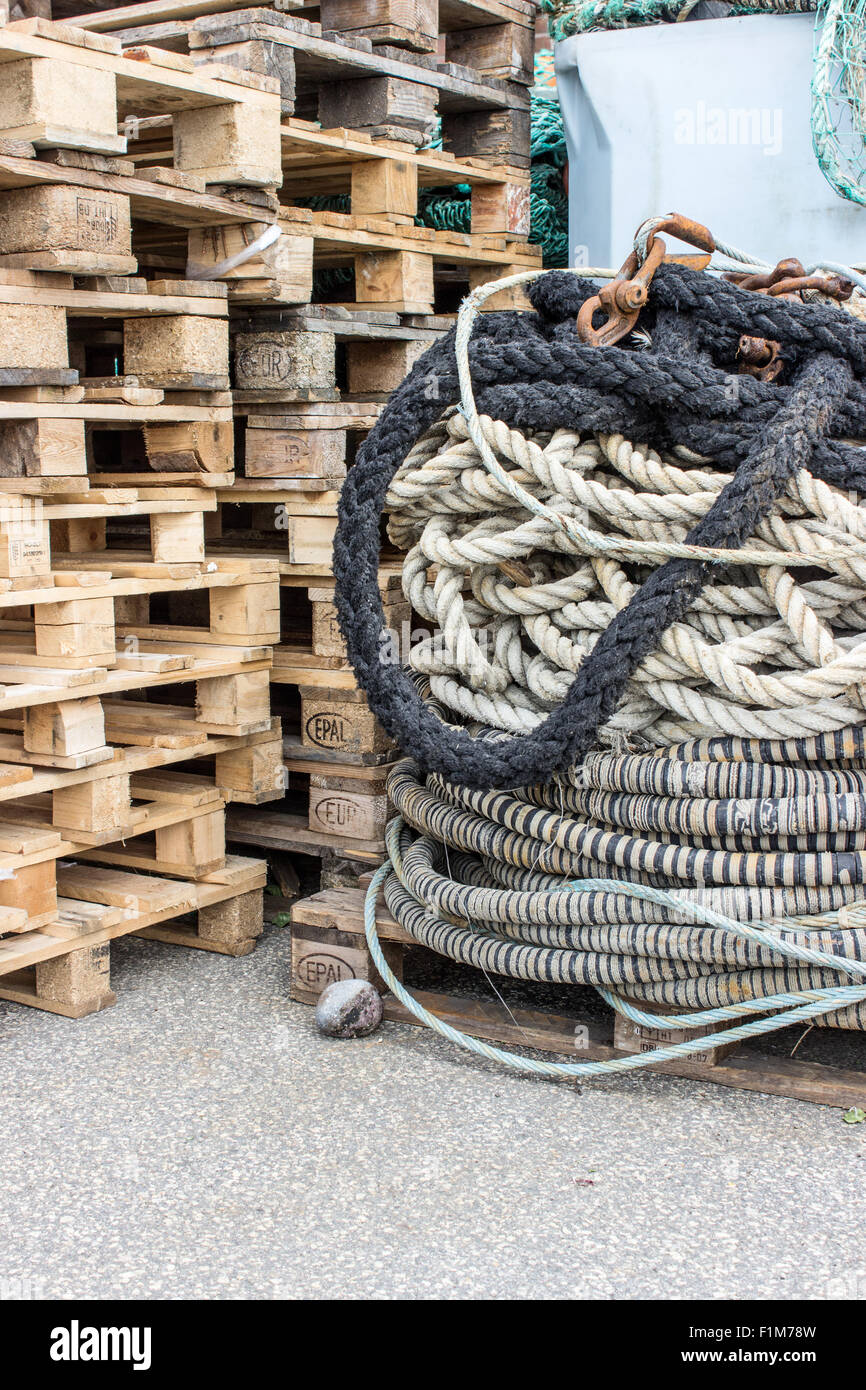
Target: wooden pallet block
<point x="229" y="144"/>
<point x="412" y="24"/>
<point x="229" y="928"/>
<point x="287" y="262"/>
<point x="282" y="363"/>
<point x="67" y="228"/>
<point x="331" y="946"/>
<point x="327" y="946"/>
<point x="285" y="447"/>
<point x="73" y="985"/>
<point x="392" y="278"/>
<point x="185" y="350"/>
<point x="321" y="957"/>
<point x="328" y="640"/>
<point x="353" y="807"/>
<point x="514" y="298"/>
<point x="340" y="721"/>
<point x="503" y="135"/>
<point x="504" y="50"/>
<point x="274" y="359"/>
<point x="298" y="445"/>
<point x="254" y="772"/>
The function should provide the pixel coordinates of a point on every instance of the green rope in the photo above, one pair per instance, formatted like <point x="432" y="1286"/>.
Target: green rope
<point x="566" y="17"/>
<point x="799" y="1006"/>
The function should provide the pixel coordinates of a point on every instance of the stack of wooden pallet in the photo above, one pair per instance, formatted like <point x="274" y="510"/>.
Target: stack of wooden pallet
<point x="328" y="317"/>
<point x="134" y="670"/>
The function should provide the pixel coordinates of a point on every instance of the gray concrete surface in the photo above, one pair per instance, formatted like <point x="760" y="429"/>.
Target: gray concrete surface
<point x="201" y="1140"/>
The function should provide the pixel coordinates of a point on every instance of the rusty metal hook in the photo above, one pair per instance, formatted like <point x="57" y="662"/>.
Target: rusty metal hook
<point x="624" y="296"/>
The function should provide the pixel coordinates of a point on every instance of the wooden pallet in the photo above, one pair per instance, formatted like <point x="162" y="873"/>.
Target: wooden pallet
<point x="225" y="121"/>
<point x="64" y="967"/>
<point x="128" y="739"/>
<point x="342" y="77"/>
<point x="141" y="533"/>
<point x="159" y="820"/>
<point x="173" y="336"/>
<point x="432" y="18"/>
<point x="103" y="617"/>
<point x="112" y="434"/>
<point x="180" y="839"/>
<point x="397" y="268"/>
<point x="328" y="944"/>
<point x="383" y="177"/>
<point x="286" y="520"/>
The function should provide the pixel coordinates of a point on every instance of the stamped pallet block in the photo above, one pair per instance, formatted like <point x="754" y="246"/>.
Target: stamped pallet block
<point x="356" y="807"/>
<point x="80" y="230"/>
<point x="285" y="447"/>
<point x="323" y="953"/>
<point x="340" y="722"/>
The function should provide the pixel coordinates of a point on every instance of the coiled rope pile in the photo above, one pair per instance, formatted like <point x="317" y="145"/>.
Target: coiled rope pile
<point x="648" y="575"/>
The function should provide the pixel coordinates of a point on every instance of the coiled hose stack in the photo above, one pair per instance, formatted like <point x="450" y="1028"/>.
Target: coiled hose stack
<point x="638" y="754"/>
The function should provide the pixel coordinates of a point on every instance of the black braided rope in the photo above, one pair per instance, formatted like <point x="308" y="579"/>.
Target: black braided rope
<point x="531" y="371"/>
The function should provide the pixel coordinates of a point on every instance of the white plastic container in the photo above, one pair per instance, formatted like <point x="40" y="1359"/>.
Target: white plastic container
<point x="709" y="118"/>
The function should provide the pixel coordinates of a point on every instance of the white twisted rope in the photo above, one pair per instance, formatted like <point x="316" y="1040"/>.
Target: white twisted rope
<point x="516" y="603"/>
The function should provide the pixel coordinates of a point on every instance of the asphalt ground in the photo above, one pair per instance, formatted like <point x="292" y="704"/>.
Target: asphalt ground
<point x="202" y="1140"/>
